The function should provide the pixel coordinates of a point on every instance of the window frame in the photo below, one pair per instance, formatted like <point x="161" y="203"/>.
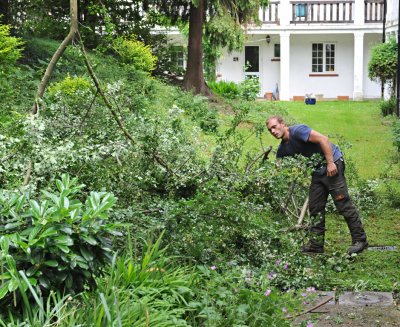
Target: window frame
<point x="325" y="59"/>
<point x="277" y="50"/>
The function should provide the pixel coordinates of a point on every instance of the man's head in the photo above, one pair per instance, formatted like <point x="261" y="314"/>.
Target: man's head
<point x="277" y="127"/>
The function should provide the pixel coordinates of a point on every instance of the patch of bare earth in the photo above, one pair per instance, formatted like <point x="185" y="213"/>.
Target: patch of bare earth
<point x="342" y="315"/>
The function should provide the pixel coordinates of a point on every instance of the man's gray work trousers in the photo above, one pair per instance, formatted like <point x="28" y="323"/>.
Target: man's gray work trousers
<point x="336" y="186"/>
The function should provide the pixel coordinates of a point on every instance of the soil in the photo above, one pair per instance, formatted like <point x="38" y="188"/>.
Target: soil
<point x="343" y="315"/>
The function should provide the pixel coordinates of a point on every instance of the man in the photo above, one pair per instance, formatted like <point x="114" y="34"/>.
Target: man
<point x="327" y="179"/>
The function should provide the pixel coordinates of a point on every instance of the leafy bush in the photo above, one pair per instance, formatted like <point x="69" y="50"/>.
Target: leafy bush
<point x="70" y="85"/>
<point x="249" y="88"/>
<point x="59" y="242"/>
<point x="10" y="47"/>
<point x="388" y="107"/>
<point x="229" y="90"/>
<point x="134" y="52"/>
<point x="382" y="66"/>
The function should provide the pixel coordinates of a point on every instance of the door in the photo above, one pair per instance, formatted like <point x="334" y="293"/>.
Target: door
<point x="252" y="63"/>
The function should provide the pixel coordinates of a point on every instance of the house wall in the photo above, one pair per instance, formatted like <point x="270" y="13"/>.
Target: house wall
<point x="300" y="66"/>
<point x="329" y="86"/>
<point x="371" y="89"/>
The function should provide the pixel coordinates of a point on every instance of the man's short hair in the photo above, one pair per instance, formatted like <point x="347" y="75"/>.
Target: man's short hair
<point x="278" y="118"/>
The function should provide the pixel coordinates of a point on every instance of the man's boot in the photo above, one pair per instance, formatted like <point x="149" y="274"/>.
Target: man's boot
<point x="357" y="247"/>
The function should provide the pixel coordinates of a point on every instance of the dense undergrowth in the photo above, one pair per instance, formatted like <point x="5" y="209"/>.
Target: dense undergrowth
<point x="227" y="257"/>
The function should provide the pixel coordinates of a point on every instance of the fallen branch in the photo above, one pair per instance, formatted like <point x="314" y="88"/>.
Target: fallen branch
<point x="313" y="308"/>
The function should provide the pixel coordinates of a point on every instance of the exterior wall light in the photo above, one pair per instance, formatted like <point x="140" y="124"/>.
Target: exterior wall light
<point x="268" y="39"/>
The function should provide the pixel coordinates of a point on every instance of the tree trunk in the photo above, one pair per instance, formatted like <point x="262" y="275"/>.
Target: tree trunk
<point x="57" y="55"/>
<point x="4" y="12"/>
<point x="194" y="76"/>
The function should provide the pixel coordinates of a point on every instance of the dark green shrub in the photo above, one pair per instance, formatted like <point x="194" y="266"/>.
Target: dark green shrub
<point x="59" y="242"/>
<point x="229" y="90"/>
<point x="388" y="107"/>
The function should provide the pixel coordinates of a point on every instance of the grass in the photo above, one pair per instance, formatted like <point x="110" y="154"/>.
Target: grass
<point x="372" y="270"/>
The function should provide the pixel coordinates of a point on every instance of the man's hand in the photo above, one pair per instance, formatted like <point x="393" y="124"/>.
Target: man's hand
<point x="331" y="169"/>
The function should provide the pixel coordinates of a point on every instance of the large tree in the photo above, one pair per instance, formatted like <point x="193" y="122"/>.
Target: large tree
<point x="204" y="17"/>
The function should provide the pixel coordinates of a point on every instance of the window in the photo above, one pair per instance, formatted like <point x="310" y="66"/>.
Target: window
<point x="178" y="57"/>
<point x="277" y="50"/>
<point x="251" y="57"/>
<point x="323" y="57"/>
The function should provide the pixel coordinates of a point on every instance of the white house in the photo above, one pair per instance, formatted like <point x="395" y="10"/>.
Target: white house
<point x="313" y="46"/>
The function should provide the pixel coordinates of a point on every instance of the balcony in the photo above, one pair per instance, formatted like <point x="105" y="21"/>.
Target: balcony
<point x="323" y="12"/>
<point x="271" y="14"/>
<point x="373" y="11"/>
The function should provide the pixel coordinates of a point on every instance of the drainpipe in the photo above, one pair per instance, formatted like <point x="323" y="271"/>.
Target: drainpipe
<point x="383" y="41"/>
<point x="398" y="64"/>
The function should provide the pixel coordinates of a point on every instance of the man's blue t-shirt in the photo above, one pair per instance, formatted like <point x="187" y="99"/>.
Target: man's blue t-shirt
<point x="299" y="144"/>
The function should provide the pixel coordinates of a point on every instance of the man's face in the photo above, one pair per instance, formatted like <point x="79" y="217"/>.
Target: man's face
<point x="276" y="128"/>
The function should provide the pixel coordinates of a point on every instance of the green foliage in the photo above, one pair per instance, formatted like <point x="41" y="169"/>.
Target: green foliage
<point x="58" y="242"/>
<point x="388" y="107"/>
<point x="196" y="107"/>
<point x="70" y="85"/>
<point x="219" y="224"/>
<point x="240" y="296"/>
<point x="10" y="48"/>
<point x="134" y="52"/>
<point x="229" y="90"/>
<point x="250" y="88"/>
<point x="152" y="289"/>
<point x="247" y="90"/>
<point x="46" y="27"/>
<point x="396" y="134"/>
<point x="382" y="66"/>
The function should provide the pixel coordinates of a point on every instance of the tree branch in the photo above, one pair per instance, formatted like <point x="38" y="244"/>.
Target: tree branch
<point x="102" y="94"/>
<point x="57" y="55"/>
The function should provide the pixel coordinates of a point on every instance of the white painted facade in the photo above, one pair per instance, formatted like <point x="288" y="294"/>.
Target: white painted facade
<point x="353" y="32"/>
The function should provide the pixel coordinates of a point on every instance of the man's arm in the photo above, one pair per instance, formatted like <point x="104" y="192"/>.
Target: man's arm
<point x="323" y="141"/>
